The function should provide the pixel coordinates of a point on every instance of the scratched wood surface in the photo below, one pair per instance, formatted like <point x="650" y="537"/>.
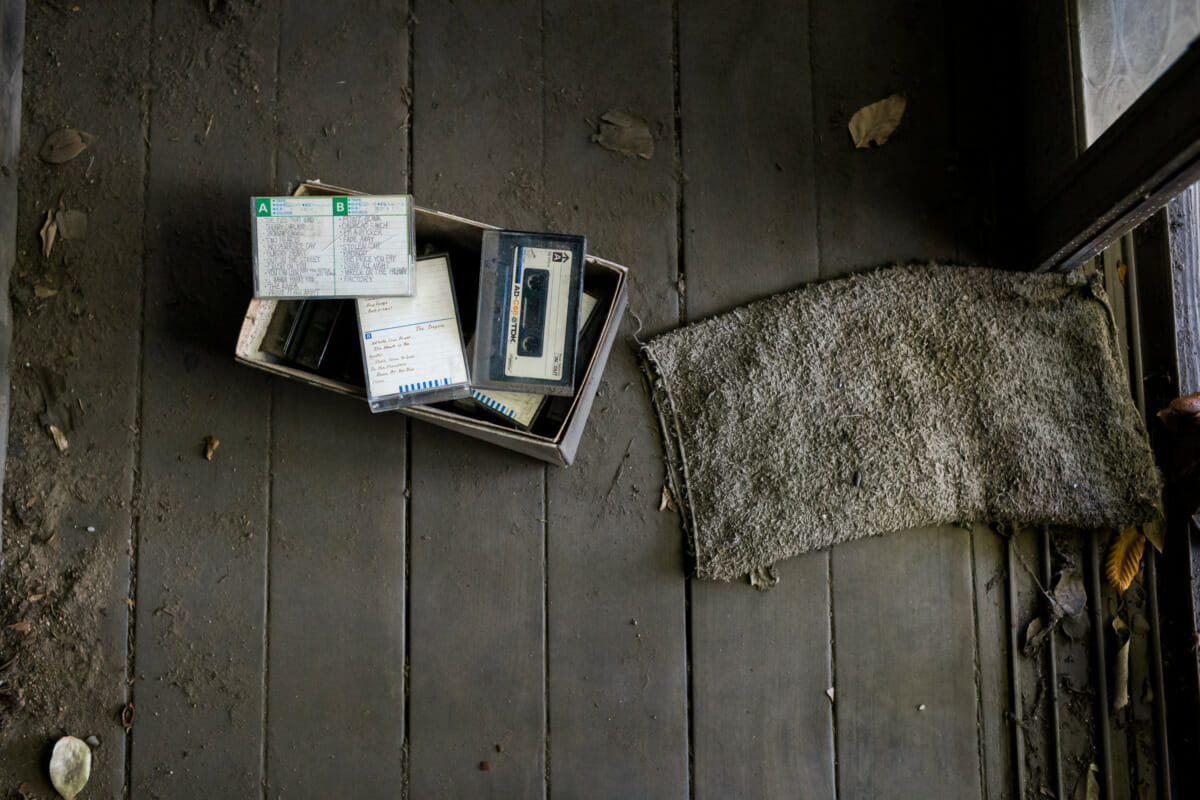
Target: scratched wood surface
<point x="347" y="604"/>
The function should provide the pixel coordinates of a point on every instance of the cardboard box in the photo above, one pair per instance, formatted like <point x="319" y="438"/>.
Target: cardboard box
<point x="461" y="239"/>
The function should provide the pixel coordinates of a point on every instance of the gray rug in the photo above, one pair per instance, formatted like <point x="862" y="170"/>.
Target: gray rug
<point x="901" y="398"/>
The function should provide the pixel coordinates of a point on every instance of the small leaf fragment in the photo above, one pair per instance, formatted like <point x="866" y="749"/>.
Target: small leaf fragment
<point x="878" y="121"/>
<point x="43" y="292"/>
<point x="48" y="232"/>
<point x="63" y="145"/>
<point x="624" y="134"/>
<point x="60" y="438"/>
<point x="1121" y="679"/>
<point x="1035" y="633"/>
<point x="211" y="443"/>
<point x="1124" y="558"/>
<point x="24" y="626"/>
<point x="1153" y="531"/>
<point x="1121" y="667"/>
<point x="1121" y="270"/>
<point x="70" y="766"/>
<point x="667" y="503"/>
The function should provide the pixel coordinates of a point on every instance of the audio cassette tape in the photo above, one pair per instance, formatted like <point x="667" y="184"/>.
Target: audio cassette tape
<point x="527" y="322"/>
<point x="412" y="347"/>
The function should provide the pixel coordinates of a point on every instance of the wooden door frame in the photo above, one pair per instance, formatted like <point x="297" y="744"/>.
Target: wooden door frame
<point x="1146" y="158"/>
<point x="1127" y="181"/>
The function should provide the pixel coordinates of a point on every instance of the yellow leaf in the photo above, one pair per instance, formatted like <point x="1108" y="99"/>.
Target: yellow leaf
<point x="1124" y="558"/>
<point x="877" y="122"/>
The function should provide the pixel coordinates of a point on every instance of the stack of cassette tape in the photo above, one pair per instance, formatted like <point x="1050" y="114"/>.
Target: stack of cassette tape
<point x="345" y="269"/>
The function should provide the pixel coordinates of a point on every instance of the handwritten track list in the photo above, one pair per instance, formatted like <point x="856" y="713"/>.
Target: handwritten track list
<point x="312" y="246"/>
<point x="413" y="344"/>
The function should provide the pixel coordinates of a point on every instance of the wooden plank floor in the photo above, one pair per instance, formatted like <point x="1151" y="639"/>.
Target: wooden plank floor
<point x="355" y="605"/>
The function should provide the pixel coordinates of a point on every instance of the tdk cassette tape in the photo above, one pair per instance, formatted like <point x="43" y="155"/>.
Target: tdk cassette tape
<point x="527" y="325"/>
<point x="523" y="408"/>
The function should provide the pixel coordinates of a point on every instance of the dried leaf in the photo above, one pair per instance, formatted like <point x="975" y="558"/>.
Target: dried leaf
<point x="1182" y="412"/>
<point x="1035" y="632"/>
<point x="24" y="626"/>
<point x="211" y="443"/>
<point x="624" y="134"/>
<point x="42" y="292"/>
<point x="1121" y="270"/>
<point x="1121" y="667"/>
<point x="667" y="503"/>
<point x="877" y="121"/>
<point x="763" y="578"/>
<point x="60" y="438"/>
<point x="1153" y="531"/>
<point x="1093" y="785"/>
<point x="127" y="716"/>
<point x="1069" y="597"/>
<point x="70" y="766"/>
<point x="1124" y="558"/>
<point x="48" y="232"/>
<point x="72" y="223"/>
<point x="61" y="146"/>
<point x="1121" y="679"/>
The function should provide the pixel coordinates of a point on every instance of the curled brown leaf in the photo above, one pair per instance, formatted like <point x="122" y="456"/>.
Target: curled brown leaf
<point x="1124" y="558"/>
<point x="63" y="145"/>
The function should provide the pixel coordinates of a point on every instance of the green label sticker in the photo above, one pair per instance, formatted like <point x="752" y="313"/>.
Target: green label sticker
<point x="262" y="207"/>
<point x="339" y="206"/>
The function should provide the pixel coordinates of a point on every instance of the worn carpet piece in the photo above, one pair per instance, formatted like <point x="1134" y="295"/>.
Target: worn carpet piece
<point x="906" y="397"/>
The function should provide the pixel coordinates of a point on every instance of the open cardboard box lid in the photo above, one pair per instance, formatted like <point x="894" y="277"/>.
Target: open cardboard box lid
<point x="460" y="237"/>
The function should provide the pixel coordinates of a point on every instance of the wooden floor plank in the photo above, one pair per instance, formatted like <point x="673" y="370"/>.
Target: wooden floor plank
<point x="905" y="654"/>
<point x="892" y="203"/>
<point x="344" y="100"/>
<point x="477" y="672"/>
<point x="762" y="714"/>
<point x="882" y="205"/>
<point x="336" y="624"/>
<point x="750" y="208"/>
<point x="617" y="683"/>
<point x="1033" y="712"/>
<point x="335" y="721"/>
<point x="992" y="641"/>
<point x="86" y="334"/>
<point x="762" y="718"/>
<point x="1074" y="668"/>
<point x="198" y="701"/>
<point x="477" y="592"/>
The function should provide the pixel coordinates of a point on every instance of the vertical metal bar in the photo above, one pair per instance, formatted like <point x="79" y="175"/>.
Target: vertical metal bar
<point x="1101" y="661"/>
<point x="1156" y="675"/>
<point x="1134" y="324"/>
<point x="1052" y="672"/>
<point x="1018" y="726"/>
<point x="1133" y="303"/>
